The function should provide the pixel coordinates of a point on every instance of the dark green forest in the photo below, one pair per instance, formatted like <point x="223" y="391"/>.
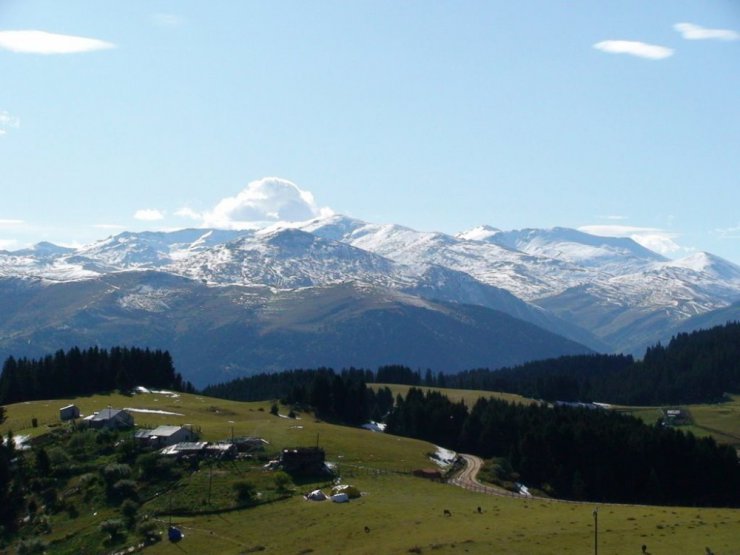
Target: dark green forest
<point x="695" y="367"/>
<point x="85" y="372"/>
<point x="578" y="453"/>
<point x="340" y="396"/>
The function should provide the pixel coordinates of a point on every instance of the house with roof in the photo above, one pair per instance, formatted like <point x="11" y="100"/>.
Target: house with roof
<point x="163" y="436"/>
<point x="112" y="419"/>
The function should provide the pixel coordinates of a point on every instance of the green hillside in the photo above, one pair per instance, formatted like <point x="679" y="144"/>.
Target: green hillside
<point x="403" y="514"/>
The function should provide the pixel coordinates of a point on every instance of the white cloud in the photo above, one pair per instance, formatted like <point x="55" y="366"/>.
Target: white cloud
<point x="8" y="121"/>
<point x="10" y="223"/>
<point x="691" y="31"/>
<point x="148" y="215"/>
<point x="42" y="42"/>
<point x="270" y="199"/>
<point x="107" y="226"/>
<point x="613" y="217"/>
<point x="635" y="48"/>
<point x="7" y="244"/>
<point x="655" y="239"/>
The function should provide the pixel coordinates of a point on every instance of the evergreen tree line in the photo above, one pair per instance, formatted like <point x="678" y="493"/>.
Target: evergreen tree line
<point x="341" y="396"/>
<point x="578" y="453"/>
<point x="6" y="455"/>
<point x="694" y="367"/>
<point x="88" y="371"/>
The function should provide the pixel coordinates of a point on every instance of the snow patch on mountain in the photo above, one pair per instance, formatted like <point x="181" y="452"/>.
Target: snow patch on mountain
<point x="148" y="298"/>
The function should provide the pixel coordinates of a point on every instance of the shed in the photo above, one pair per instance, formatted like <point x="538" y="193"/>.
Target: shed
<point x="111" y="418"/>
<point x="185" y="448"/>
<point x="303" y="460"/>
<point x="70" y="412"/>
<point x="162" y="436"/>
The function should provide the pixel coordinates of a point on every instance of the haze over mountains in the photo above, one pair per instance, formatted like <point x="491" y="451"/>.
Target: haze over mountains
<point x="339" y="291"/>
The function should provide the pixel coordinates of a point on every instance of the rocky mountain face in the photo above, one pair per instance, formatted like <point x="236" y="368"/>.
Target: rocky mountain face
<point x="292" y="294"/>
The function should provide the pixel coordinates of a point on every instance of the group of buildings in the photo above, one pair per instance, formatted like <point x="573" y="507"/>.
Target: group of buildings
<point x="177" y="441"/>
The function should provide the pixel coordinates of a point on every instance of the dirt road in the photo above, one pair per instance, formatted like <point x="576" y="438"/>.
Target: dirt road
<point x="468" y="478"/>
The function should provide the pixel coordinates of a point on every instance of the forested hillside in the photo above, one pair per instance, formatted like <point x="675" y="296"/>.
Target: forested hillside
<point x="578" y="453"/>
<point x="694" y="367"/>
<point x="88" y="371"/>
<point x="342" y="396"/>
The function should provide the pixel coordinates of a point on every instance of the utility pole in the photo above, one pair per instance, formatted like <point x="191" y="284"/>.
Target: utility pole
<point x="210" y="481"/>
<point x="596" y="531"/>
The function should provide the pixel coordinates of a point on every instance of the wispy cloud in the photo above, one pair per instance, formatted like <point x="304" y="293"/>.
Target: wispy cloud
<point x="655" y="239"/>
<point x="148" y="215"/>
<point x="690" y="31"/>
<point x="728" y="232"/>
<point x="635" y="48"/>
<point x="189" y="213"/>
<point x="167" y="20"/>
<point x="43" y="42"/>
<point x="7" y="244"/>
<point x="613" y="217"/>
<point x="8" y="121"/>
<point x="107" y="226"/>
<point x="10" y="223"/>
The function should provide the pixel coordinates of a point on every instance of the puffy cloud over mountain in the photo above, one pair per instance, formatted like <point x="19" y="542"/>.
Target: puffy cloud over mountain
<point x="270" y="199"/>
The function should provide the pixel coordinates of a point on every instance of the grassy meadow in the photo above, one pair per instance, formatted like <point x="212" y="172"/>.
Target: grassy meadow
<point x="403" y="514"/>
<point x="469" y="396"/>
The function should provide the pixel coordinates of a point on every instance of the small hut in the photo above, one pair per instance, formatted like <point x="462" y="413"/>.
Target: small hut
<point x="70" y="412"/>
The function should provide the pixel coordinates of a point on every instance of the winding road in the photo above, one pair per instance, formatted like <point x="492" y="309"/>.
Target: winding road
<point x="468" y="478"/>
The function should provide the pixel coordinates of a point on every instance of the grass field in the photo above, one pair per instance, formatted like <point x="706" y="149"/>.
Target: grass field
<point x="470" y="396"/>
<point x="403" y="514"/>
<point x="718" y="420"/>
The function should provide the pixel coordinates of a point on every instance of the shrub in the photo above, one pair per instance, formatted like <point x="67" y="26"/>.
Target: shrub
<point x="31" y="546"/>
<point x="113" y="527"/>
<point x="283" y="481"/>
<point x="153" y="467"/>
<point x="58" y="458"/>
<point x="112" y="473"/>
<point x="124" y="489"/>
<point x="149" y="531"/>
<point x="244" y="491"/>
<point x="274" y="409"/>
<point x="129" y="508"/>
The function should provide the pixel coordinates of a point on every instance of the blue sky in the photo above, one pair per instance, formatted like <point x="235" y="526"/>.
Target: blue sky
<point x="619" y="117"/>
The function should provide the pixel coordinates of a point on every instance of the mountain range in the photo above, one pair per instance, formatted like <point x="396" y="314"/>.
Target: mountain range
<point x="337" y="291"/>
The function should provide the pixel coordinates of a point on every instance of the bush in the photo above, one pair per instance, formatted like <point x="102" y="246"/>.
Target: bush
<point x="50" y="497"/>
<point x="244" y="491"/>
<point x="113" y="527"/>
<point x="124" y="489"/>
<point x="58" y="458"/>
<point x="82" y="444"/>
<point x="153" y="467"/>
<point x="112" y="473"/>
<point x="283" y="481"/>
<point x="149" y="531"/>
<point x="274" y="409"/>
<point x="129" y="508"/>
<point x="30" y="546"/>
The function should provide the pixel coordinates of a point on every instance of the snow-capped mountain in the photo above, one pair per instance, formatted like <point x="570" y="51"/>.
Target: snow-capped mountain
<point x="615" y="255"/>
<point x="560" y="279"/>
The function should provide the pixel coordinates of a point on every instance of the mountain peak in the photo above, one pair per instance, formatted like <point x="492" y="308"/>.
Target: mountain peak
<point x="707" y="263"/>
<point x="479" y="233"/>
